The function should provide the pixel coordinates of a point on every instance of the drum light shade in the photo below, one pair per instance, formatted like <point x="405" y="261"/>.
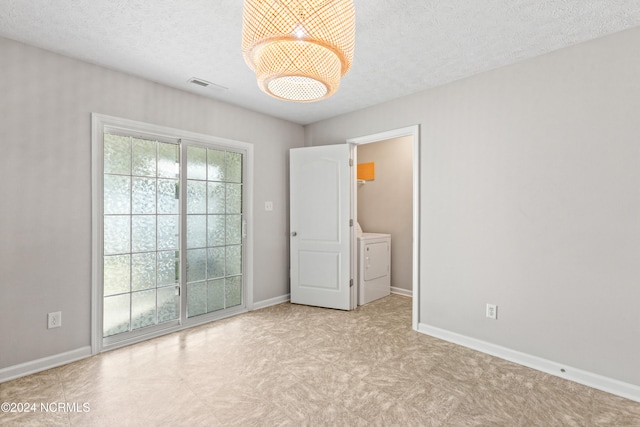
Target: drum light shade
<point x="299" y="49"/>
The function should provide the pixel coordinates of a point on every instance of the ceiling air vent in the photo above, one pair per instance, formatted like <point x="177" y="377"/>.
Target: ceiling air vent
<point x="204" y="83"/>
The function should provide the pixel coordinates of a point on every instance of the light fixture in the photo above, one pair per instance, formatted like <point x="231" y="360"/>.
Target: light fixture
<point x="299" y="49"/>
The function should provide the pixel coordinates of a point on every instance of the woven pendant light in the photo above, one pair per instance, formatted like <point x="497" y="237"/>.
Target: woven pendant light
<point x="299" y="49"/>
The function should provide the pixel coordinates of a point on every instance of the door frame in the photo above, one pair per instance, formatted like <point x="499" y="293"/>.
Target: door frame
<point x="98" y="124"/>
<point x="414" y="132"/>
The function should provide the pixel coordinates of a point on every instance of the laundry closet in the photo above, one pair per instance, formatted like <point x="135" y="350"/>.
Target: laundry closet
<point x="384" y="218"/>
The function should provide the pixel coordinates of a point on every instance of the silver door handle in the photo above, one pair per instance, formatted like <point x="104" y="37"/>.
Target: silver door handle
<point x="294" y="234"/>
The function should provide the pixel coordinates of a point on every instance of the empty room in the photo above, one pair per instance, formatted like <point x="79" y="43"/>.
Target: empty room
<point x="320" y="212"/>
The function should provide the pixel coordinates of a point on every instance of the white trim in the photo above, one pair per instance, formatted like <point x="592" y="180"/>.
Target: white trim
<point x="402" y="291"/>
<point x="97" y="126"/>
<point x="353" y="214"/>
<point x="590" y="379"/>
<point x="39" y="365"/>
<point x="271" y="302"/>
<point x="414" y="132"/>
<point x="248" y="215"/>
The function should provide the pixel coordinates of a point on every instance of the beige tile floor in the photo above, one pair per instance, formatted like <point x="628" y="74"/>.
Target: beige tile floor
<point x="297" y="365"/>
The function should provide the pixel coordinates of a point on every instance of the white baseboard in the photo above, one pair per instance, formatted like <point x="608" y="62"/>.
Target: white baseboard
<point x="271" y="301"/>
<point x="401" y="291"/>
<point x="39" y="365"/>
<point x="609" y="385"/>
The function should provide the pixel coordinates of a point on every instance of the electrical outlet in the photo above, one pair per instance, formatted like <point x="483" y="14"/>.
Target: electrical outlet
<point x="492" y="311"/>
<point x="54" y="320"/>
<point x="268" y="206"/>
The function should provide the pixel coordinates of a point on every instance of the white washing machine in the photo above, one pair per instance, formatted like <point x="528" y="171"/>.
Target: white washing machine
<point x="374" y="266"/>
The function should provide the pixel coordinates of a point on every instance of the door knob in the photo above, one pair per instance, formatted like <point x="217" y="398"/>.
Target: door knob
<point x="294" y="234"/>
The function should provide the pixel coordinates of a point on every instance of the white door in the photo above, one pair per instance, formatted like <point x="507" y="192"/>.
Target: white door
<point x="320" y="234"/>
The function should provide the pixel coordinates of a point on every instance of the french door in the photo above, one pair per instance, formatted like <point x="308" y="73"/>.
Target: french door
<point x="173" y="233"/>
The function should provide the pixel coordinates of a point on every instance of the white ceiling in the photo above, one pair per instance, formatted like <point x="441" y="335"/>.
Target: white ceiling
<point x="402" y="46"/>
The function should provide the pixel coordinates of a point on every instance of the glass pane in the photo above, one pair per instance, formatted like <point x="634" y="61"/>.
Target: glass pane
<point x="117" y="154"/>
<point x="168" y="232"/>
<point x="168" y="196"/>
<point x="234" y="198"/>
<point x="196" y="299"/>
<point x="196" y="163"/>
<point x="215" y="265"/>
<point x="196" y="197"/>
<point x="143" y="309"/>
<point x="143" y="233"/>
<point x="143" y="271"/>
<point x="116" y="314"/>
<point x="234" y="229"/>
<point x="233" y="261"/>
<point x="116" y="274"/>
<point x="216" y="230"/>
<point x="116" y="234"/>
<point x="143" y="195"/>
<point x="196" y="231"/>
<point x="167" y="304"/>
<point x="196" y="265"/>
<point x="215" y="165"/>
<point x="216" y="202"/>
<point x="144" y="157"/>
<point x="234" y="167"/>
<point x="168" y="268"/>
<point x="168" y="160"/>
<point x="215" y="295"/>
<point x="117" y="194"/>
<point x="233" y="291"/>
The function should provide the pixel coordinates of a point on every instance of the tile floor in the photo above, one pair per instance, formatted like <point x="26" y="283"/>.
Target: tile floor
<point x="296" y="365"/>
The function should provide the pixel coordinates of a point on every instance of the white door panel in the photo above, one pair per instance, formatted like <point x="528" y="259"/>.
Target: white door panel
<point x="320" y="231"/>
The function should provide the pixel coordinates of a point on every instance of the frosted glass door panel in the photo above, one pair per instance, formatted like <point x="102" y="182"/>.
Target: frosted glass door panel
<point x="143" y="271"/>
<point x="143" y="198"/>
<point x="143" y="309"/>
<point x="117" y="269"/>
<point x="117" y="314"/>
<point x="144" y="162"/>
<point x="168" y="160"/>
<point x="168" y="196"/>
<point x="117" y="196"/>
<point x="141" y="226"/>
<point x="117" y="154"/>
<point x="214" y="241"/>
<point x="168" y="232"/>
<point x="117" y="234"/>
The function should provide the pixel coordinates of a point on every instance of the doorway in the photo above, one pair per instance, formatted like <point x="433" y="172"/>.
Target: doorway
<point x="170" y="242"/>
<point x="408" y="135"/>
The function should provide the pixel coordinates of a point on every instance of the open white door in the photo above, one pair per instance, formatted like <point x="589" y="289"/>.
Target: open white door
<point x="320" y="234"/>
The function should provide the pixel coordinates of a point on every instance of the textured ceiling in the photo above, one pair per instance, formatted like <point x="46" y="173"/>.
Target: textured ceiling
<point x="402" y="46"/>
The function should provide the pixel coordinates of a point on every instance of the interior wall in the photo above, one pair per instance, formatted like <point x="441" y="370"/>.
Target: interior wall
<point x="385" y="205"/>
<point x="530" y="199"/>
<point x="45" y="233"/>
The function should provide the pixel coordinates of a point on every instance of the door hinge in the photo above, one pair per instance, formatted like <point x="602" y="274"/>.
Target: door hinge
<point x="351" y="283"/>
<point x="350" y="223"/>
<point x="350" y="162"/>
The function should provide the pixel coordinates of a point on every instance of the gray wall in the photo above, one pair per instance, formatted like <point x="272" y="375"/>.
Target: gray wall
<point x="530" y="199"/>
<point x="385" y="205"/>
<point x="45" y="221"/>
